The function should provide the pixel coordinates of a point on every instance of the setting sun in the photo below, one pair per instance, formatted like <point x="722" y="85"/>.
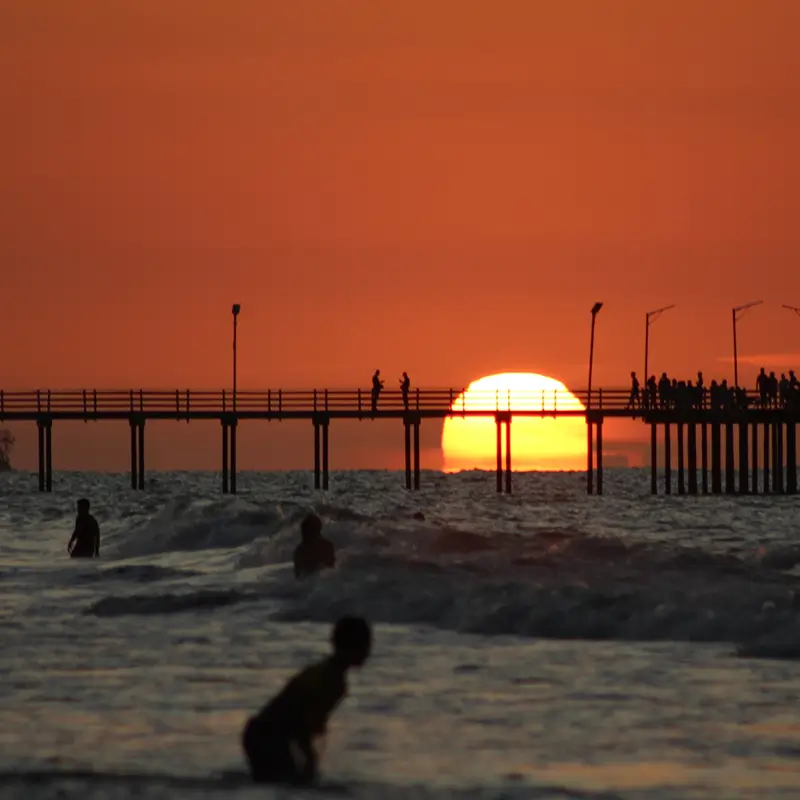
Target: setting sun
<point x="537" y="443"/>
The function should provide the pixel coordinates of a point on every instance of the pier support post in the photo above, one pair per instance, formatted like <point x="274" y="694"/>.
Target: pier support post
<point x="234" y="424"/>
<point x="730" y="462"/>
<point x="779" y="457"/>
<point x="774" y="436"/>
<point x="508" y="454"/>
<point x="589" y="457"/>
<point x="325" y="479"/>
<point x="134" y="457"/>
<point x="417" y="423"/>
<point x="716" y="457"/>
<point x="225" y="440"/>
<point x="407" y="434"/>
<point x="498" y="424"/>
<point x="316" y="455"/>
<point x="667" y="459"/>
<point x="600" y="456"/>
<point x="754" y="471"/>
<point x="744" y="460"/>
<point x="140" y="455"/>
<point x="40" y="432"/>
<point x="653" y="458"/>
<point x="791" y="458"/>
<point x="48" y="455"/>
<point x="681" y="480"/>
<point x="692" y="445"/>
<point x="704" y="456"/>
<point x="765" y="459"/>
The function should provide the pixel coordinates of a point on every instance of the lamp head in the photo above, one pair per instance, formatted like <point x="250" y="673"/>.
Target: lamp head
<point x="236" y="309"/>
<point x="596" y="307"/>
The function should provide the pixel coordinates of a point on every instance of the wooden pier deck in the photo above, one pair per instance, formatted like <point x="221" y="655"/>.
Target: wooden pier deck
<point x="322" y="406"/>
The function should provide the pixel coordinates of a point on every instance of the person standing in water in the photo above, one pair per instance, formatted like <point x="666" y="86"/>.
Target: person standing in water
<point x="279" y="741"/>
<point x="85" y="540"/>
<point x="314" y="552"/>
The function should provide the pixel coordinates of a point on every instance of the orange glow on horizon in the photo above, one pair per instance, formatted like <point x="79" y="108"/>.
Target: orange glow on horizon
<point x="537" y="443"/>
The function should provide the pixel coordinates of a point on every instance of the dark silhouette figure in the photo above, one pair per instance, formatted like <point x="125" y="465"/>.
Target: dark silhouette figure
<point x="405" y="385"/>
<point x="700" y="392"/>
<point x="651" y="392"/>
<point x="314" y="552"/>
<point x="762" y="385"/>
<point x="633" y="400"/>
<point x="773" y="390"/>
<point x="377" y="388"/>
<point x="85" y="540"/>
<point x="299" y="713"/>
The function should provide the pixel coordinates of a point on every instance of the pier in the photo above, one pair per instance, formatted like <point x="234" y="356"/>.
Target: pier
<point x="734" y="432"/>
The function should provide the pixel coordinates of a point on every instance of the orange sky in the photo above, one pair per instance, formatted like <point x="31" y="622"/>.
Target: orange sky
<point x="443" y="187"/>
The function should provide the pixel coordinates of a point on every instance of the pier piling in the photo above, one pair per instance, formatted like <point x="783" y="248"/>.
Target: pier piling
<point x="600" y="456"/>
<point x="508" y="454"/>
<point x="681" y="480"/>
<point x="779" y="457"/>
<point x="316" y="454"/>
<point x="325" y="471"/>
<point x="744" y="477"/>
<point x="407" y="437"/>
<point x="417" y="423"/>
<point x="653" y="458"/>
<point x="589" y="456"/>
<point x="791" y="458"/>
<point x="704" y="456"/>
<point x="765" y="458"/>
<point x="730" y="463"/>
<point x="667" y="459"/>
<point x="224" y="457"/>
<point x="716" y="457"/>
<point x="232" y="428"/>
<point x="691" y="436"/>
<point x="754" y="471"/>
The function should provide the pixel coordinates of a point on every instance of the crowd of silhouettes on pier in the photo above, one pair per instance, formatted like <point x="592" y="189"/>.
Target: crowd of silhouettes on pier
<point x="679" y="395"/>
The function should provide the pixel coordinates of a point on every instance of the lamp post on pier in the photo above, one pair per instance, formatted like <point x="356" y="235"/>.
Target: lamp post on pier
<point x="651" y="316"/>
<point x="793" y="308"/>
<point x="595" y="311"/>
<point x="235" y="310"/>
<point x="737" y="313"/>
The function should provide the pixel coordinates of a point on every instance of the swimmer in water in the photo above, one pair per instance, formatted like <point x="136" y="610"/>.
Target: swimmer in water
<point x="314" y="552"/>
<point x="279" y="740"/>
<point x="85" y="541"/>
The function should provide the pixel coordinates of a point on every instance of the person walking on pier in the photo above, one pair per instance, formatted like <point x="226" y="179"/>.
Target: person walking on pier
<point x="405" y="385"/>
<point x="85" y="540"/>
<point x="633" y="400"/>
<point x="377" y="388"/>
<point x="314" y="552"/>
<point x="762" y="386"/>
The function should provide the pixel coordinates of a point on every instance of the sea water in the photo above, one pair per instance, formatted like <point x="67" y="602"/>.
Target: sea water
<point x="543" y="644"/>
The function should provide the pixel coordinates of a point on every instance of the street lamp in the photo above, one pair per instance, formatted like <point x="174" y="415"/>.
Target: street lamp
<point x="651" y="316"/>
<point x="736" y="315"/>
<point x="793" y="308"/>
<point x="595" y="310"/>
<point x="235" y="311"/>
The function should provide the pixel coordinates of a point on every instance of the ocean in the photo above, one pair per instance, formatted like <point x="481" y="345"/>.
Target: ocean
<point x="540" y="645"/>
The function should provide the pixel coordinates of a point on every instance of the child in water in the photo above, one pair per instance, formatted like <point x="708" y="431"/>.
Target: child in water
<point x="299" y="713"/>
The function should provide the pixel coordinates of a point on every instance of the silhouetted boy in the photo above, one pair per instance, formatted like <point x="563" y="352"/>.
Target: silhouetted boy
<point x="85" y="540"/>
<point x="279" y="740"/>
<point x="314" y="552"/>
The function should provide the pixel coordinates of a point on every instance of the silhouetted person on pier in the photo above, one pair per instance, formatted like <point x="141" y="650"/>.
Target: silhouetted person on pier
<point x="314" y="552"/>
<point x="762" y="385"/>
<point x="633" y="400"/>
<point x="773" y="390"/>
<point x="405" y="385"/>
<point x="651" y="392"/>
<point x="783" y="390"/>
<point x="279" y="740"/>
<point x="85" y="540"/>
<point x="377" y="388"/>
<point x="664" y="388"/>
<point x="700" y="392"/>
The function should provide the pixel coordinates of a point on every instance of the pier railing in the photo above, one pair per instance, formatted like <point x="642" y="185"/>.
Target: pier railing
<point x="183" y="402"/>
